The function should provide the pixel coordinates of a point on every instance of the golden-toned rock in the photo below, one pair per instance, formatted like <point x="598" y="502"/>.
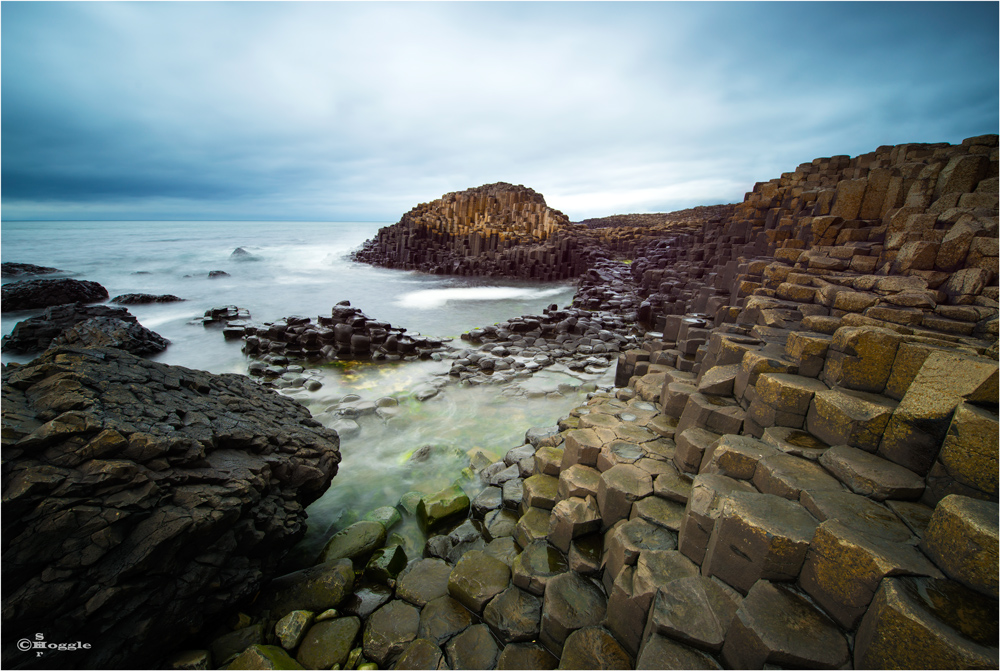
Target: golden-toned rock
<point x="860" y="358"/>
<point x="970" y="451"/>
<point x="962" y="540"/>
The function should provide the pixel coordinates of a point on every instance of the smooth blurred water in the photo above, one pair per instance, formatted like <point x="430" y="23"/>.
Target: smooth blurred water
<point x="301" y="268"/>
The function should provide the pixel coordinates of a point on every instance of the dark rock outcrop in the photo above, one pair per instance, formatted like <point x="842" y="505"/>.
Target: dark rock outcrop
<point x="141" y="500"/>
<point x="83" y="326"/>
<point x="10" y="269"/>
<point x="142" y="299"/>
<point x="34" y="294"/>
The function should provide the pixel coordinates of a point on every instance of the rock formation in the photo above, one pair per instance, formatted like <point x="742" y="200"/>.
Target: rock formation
<point x="142" y="500"/>
<point x="9" y="269"/>
<point x="83" y="326"/>
<point x="34" y="294"/>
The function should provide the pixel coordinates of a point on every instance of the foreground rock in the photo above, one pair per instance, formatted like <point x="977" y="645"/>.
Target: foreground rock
<point x="34" y="294"/>
<point x="143" y="500"/>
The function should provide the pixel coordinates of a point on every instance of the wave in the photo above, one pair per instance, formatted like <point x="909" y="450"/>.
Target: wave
<point x="429" y="299"/>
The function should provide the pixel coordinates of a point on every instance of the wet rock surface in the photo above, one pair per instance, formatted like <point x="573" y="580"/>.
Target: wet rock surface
<point x="83" y="326"/>
<point x="34" y="294"/>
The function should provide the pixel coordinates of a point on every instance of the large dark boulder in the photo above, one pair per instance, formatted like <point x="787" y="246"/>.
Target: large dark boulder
<point x="143" y="501"/>
<point x="34" y="294"/>
<point x="143" y="299"/>
<point x="83" y="326"/>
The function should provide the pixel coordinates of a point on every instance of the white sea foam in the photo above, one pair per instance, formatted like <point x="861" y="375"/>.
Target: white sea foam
<point x="430" y="299"/>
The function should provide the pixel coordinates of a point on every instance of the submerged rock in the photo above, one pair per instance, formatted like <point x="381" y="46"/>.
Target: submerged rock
<point x="143" y="299"/>
<point x="9" y="269"/>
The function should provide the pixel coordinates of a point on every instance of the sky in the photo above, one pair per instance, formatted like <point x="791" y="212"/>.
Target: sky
<point x="344" y="111"/>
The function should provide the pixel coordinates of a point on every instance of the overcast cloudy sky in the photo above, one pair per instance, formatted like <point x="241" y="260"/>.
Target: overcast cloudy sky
<point x="358" y="111"/>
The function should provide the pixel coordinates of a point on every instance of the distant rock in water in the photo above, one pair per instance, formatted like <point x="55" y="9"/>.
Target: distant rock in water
<point x="112" y="332"/>
<point x="118" y="329"/>
<point x="142" y="501"/>
<point x="142" y="299"/>
<point x="218" y="273"/>
<point x="240" y="254"/>
<point x="33" y="294"/>
<point x="21" y="269"/>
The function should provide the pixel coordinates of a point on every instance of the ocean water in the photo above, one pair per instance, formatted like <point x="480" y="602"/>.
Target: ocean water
<point x="302" y="268"/>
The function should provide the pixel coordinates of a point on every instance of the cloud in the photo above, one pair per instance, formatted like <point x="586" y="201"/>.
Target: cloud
<point x="360" y="110"/>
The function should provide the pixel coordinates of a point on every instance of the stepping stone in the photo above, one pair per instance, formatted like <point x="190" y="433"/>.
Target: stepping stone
<point x="389" y="630"/>
<point x="526" y="656"/>
<point x="860" y="358"/>
<point x="579" y="481"/>
<point x="788" y="393"/>
<point x="842" y="417"/>
<point x="436" y="509"/>
<point x="857" y="512"/>
<point x="585" y="554"/>
<point x="787" y="476"/>
<point x="385" y="564"/>
<point x="774" y="625"/>
<point x="514" y="615"/>
<point x="735" y="456"/>
<point x="533" y="526"/>
<point x="477" y="578"/>
<point x="571" y="518"/>
<point x="691" y="446"/>
<point x="720" y="414"/>
<point x="474" y="648"/>
<point x="915" y="515"/>
<point x="499" y="524"/>
<point x="871" y="475"/>
<point x="548" y="460"/>
<point x="674" y="397"/>
<point x="582" y="446"/>
<point x="962" y="540"/>
<point x="420" y="653"/>
<point x="513" y="493"/>
<point x="516" y="454"/>
<point x="537" y="565"/>
<point x="844" y="568"/>
<point x="660" y="652"/>
<point x="571" y="602"/>
<point x="628" y="539"/>
<point x="423" y="581"/>
<point x="441" y="619"/>
<point x="489" y="499"/>
<point x="366" y="599"/>
<point x="927" y="624"/>
<point x="663" y="425"/>
<point x="328" y="643"/>
<point x="505" y="549"/>
<point x="658" y="511"/>
<point x="758" y="536"/>
<point x="795" y="442"/>
<point x="970" y="449"/>
<point x="694" y="610"/>
<point x="672" y="485"/>
<point x="755" y="364"/>
<point x="598" y="421"/>
<point x="541" y="491"/>
<point x="808" y="351"/>
<point x="708" y="492"/>
<point x="618" y="452"/>
<point x="355" y="542"/>
<point x="619" y="487"/>
<point x="593" y="648"/>
<point x="633" y="433"/>
<point x="718" y="380"/>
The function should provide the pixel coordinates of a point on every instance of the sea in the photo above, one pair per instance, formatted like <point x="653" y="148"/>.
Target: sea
<point x="304" y="269"/>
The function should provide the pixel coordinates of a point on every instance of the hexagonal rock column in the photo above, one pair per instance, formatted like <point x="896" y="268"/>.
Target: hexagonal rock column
<point x="694" y="610"/>
<point x="774" y="625"/>
<point x="792" y="441"/>
<point x="477" y="578"/>
<point x="620" y="486"/>
<point x="807" y="350"/>
<point x="660" y="652"/>
<point x="328" y="643"/>
<point x="593" y="648"/>
<point x="537" y="565"/>
<point x="962" y="539"/>
<point x="442" y="618"/>
<point x="423" y="580"/>
<point x="788" y="476"/>
<point x="844" y="568"/>
<point x="720" y="414"/>
<point x="474" y="648"/>
<point x="870" y="475"/>
<point x="758" y="536"/>
<point x="355" y="542"/>
<point x="533" y="526"/>
<point x="860" y="358"/>
<point x="541" y="491"/>
<point x="736" y="456"/>
<point x="913" y="435"/>
<point x="708" y="492"/>
<point x="627" y="539"/>
<point x="969" y="453"/>
<point x="525" y="656"/>
<point x="571" y="602"/>
<point x="389" y="630"/>
<point x="420" y="653"/>
<point x="691" y="446"/>
<point x="578" y="480"/>
<point x="316" y="588"/>
<point x="841" y="417"/>
<point x="572" y="518"/>
<point x="929" y="624"/>
<point x="514" y="615"/>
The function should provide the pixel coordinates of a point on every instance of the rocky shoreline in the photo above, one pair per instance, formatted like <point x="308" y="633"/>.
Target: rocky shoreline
<point x="796" y="467"/>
